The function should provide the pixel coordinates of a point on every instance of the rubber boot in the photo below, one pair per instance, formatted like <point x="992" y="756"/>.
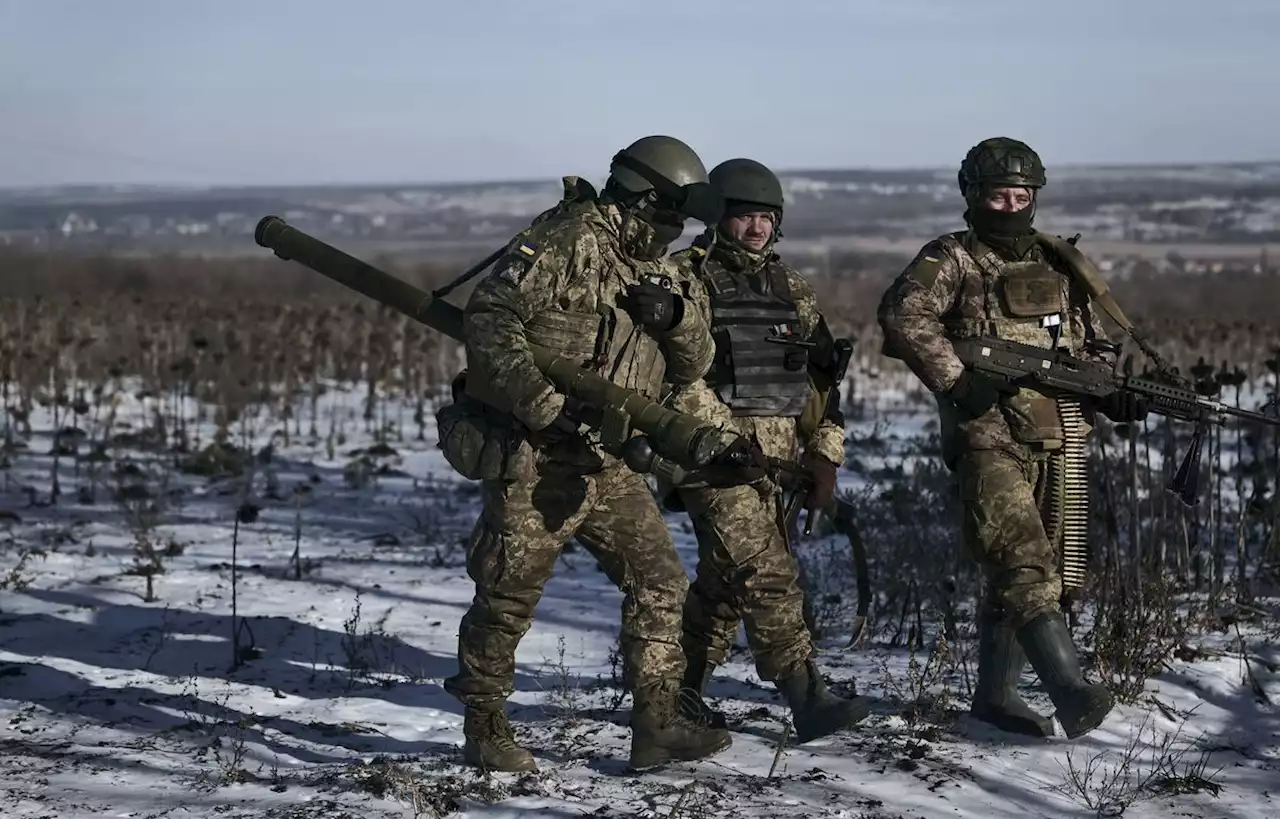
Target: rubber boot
<point x="1082" y="706"/>
<point x="697" y="674"/>
<point x="491" y="744"/>
<point x="661" y="733"/>
<point x="815" y="711"/>
<point x="996" y="700"/>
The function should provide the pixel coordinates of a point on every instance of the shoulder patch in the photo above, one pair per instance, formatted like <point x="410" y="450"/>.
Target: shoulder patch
<point x="925" y="269"/>
<point x="515" y="265"/>
<point x="512" y="268"/>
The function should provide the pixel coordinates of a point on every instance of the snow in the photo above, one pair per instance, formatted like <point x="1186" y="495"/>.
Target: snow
<point x="113" y="706"/>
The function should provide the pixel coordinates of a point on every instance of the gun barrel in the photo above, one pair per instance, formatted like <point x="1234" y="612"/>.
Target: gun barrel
<point x="1263" y="417"/>
<point x="685" y="438"/>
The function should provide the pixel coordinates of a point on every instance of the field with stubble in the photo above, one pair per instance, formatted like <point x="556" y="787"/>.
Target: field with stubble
<point x="232" y="566"/>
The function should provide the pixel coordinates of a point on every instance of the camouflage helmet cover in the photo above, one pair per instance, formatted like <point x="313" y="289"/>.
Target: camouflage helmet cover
<point x="1000" y="162"/>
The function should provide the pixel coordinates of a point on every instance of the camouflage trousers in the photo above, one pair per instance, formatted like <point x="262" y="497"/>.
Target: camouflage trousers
<point x="746" y="573"/>
<point x="513" y="550"/>
<point x="1004" y="529"/>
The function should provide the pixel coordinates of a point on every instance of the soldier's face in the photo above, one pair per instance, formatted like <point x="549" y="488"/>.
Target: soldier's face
<point x="1007" y="199"/>
<point x="751" y="230"/>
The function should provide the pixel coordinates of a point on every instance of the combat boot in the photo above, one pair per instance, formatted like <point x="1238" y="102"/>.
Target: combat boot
<point x="1082" y="706"/>
<point x="491" y="744"/>
<point x="697" y="674"/>
<point x="661" y="733"/>
<point x="815" y="711"/>
<point x="996" y="700"/>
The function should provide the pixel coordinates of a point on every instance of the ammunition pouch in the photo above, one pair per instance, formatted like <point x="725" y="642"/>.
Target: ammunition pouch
<point x="1034" y="420"/>
<point x="479" y="442"/>
<point x="1031" y="290"/>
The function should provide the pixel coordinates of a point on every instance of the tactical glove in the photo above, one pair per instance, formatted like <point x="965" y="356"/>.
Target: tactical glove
<point x="572" y="414"/>
<point x="975" y="394"/>
<point x="654" y="307"/>
<point x="745" y="459"/>
<point x="822" y="475"/>
<point x="1124" y="407"/>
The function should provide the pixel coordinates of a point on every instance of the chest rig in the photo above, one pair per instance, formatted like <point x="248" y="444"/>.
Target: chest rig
<point x="1030" y="302"/>
<point x="1024" y="301"/>
<point x="762" y="360"/>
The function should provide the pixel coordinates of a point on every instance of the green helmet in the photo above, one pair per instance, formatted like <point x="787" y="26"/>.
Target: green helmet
<point x="666" y="156"/>
<point x="747" y="181"/>
<point x="1000" y="162"/>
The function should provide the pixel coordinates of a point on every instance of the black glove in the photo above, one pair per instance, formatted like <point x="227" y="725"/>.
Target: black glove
<point x="654" y="307"/>
<point x="822" y="475"/>
<point x="741" y="462"/>
<point x="572" y="413"/>
<point x="975" y="394"/>
<point x="1124" y="407"/>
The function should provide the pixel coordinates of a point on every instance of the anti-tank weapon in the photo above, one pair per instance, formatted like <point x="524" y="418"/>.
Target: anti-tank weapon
<point x="680" y="438"/>
<point x="1053" y="370"/>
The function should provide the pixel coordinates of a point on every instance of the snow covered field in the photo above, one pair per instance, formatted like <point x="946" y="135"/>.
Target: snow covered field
<point x="322" y="697"/>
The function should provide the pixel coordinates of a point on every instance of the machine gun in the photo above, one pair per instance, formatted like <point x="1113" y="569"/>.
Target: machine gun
<point x="680" y="438"/>
<point x="1054" y="371"/>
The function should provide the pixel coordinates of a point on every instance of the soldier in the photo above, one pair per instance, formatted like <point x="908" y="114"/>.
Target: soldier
<point x="998" y="278"/>
<point x="770" y="337"/>
<point x="588" y="282"/>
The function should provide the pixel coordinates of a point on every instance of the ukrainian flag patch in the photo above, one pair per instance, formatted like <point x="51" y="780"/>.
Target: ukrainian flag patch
<point x="528" y="248"/>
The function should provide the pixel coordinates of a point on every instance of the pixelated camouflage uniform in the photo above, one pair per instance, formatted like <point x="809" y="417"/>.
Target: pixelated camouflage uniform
<point x="746" y="570"/>
<point x="565" y="296"/>
<point x="956" y="288"/>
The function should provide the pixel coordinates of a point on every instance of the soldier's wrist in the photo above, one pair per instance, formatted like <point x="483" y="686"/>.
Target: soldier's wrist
<point x="960" y="386"/>
<point x="817" y="455"/>
<point x="540" y="412"/>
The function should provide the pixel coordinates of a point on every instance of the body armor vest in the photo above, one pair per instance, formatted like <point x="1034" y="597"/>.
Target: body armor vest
<point x="1028" y="302"/>
<point x="762" y="363"/>
<point x="602" y="337"/>
<point x="606" y="341"/>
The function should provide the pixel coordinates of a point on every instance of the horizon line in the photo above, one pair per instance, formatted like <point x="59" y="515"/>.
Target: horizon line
<point x="549" y="179"/>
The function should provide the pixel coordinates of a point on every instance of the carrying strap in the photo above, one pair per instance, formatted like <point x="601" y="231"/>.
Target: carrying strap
<point x="576" y="191"/>
<point x="1088" y="276"/>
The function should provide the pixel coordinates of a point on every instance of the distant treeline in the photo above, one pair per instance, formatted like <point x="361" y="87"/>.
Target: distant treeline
<point x="1185" y="309"/>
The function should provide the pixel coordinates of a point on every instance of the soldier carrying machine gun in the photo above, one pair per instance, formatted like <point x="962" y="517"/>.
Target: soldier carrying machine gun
<point x="1055" y="370"/>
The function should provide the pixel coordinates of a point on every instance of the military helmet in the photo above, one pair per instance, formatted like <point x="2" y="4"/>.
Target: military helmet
<point x="1000" y="162"/>
<point x="745" y="180"/>
<point x="666" y="156"/>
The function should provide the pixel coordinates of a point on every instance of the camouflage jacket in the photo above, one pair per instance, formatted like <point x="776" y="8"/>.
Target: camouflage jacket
<point x="560" y="286"/>
<point x="956" y="287"/>
<point x="779" y="437"/>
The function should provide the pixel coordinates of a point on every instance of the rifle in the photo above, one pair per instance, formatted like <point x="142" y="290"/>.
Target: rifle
<point x="1055" y="371"/>
<point x="792" y="477"/>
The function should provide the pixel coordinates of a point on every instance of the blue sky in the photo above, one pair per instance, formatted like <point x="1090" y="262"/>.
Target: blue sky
<point x="314" y="91"/>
